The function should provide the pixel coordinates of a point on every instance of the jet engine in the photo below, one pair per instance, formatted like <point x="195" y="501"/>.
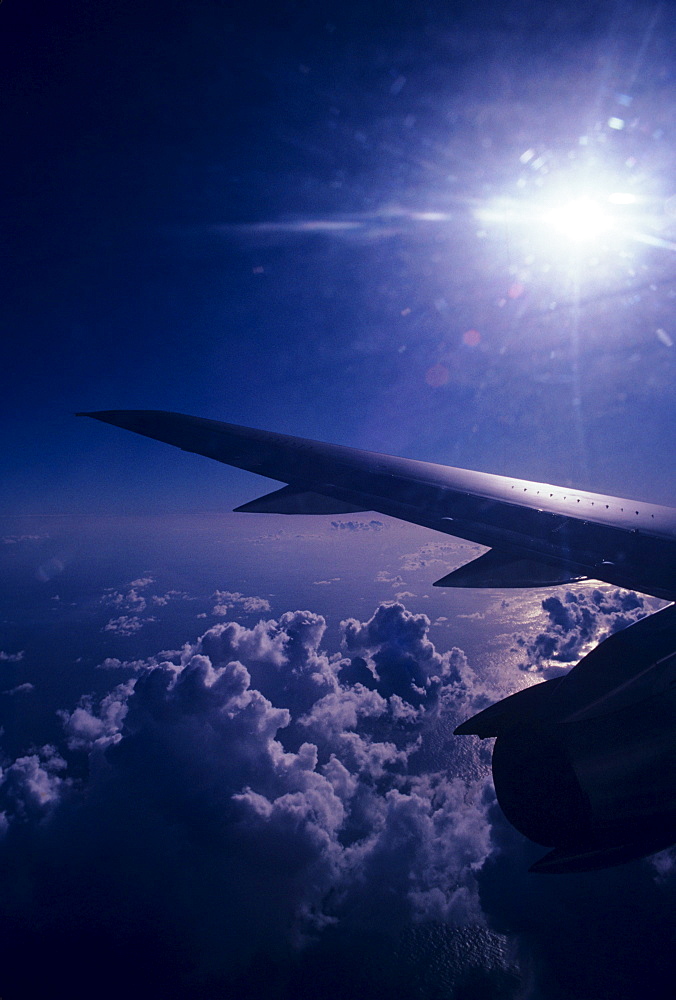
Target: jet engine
<point x="586" y="763"/>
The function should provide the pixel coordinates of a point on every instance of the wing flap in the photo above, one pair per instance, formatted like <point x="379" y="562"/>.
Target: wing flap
<point x="292" y="500"/>
<point x="511" y="711"/>
<point x="505" y="569"/>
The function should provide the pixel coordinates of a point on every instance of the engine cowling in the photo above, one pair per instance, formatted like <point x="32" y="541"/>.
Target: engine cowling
<point x="586" y="764"/>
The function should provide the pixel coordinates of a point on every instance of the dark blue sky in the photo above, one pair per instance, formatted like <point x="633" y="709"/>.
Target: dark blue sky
<point x="335" y="220"/>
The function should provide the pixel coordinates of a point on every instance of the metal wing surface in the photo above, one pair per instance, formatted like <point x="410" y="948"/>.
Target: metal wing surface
<point x="538" y="534"/>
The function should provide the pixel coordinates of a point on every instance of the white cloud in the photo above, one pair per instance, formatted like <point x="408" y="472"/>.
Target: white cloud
<point x="227" y="599"/>
<point x="126" y="624"/>
<point x="25" y="688"/>
<point x="12" y="657"/>
<point x="256" y="742"/>
<point x="577" y="621"/>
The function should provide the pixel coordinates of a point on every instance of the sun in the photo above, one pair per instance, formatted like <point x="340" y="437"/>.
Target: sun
<point x="580" y="220"/>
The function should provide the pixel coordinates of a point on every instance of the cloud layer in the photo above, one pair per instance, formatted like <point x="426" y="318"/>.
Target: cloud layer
<point x="256" y="802"/>
<point x="248" y="794"/>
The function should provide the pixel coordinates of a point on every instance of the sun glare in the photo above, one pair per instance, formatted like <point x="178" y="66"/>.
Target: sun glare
<point x="581" y="220"/>
<point x="565" y="219"/>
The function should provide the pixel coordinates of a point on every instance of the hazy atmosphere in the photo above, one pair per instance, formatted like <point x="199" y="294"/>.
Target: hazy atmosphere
<point x="439" y="230"/>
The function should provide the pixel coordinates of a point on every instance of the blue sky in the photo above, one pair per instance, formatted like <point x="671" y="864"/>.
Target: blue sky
<point x="345" y="222"/>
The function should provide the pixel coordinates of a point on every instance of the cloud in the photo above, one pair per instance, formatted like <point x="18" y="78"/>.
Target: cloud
<point x="395" y="640"/>
<point x="113" y="663"/>
<point x="248" y="793"/>
<point x="12" y="657"/>
<point x="32" y="786"/>
<point x="259" y="793"/>
<point x="126" y="624"/>
<point x="25" y="688"/>
<point x="130" y="599"/>
<point x="372" y="525"/>
<point x="383" y="576"/>
<point x="87" y="728"/>
<point x="434" y="553"/>
<point x="226" y="600"/>
<point x="49" y="569"/>
<point x="171" y="595"/>
<point x="16" y="539"/>
<point x="577" y="621"/>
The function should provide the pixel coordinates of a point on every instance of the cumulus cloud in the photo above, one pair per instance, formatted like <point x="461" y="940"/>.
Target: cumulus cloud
<point x="577" y="621"/>
<point x="12" y="657"/>
<point x="134" y="597"/>
<point x="226" y="600"/>
<point x="32" y="786"/>
<point x="114" y="663"/>
<point x="25" y="688"/>
<point x="256" y="791"/>
<point x="129" y="599"/>
<point x="86" y="728"/>
<point x="161" y="600"/>
<point x="126" y="624"/>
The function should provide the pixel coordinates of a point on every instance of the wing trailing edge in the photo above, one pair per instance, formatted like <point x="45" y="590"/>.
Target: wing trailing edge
<point x="291" y="500"/>
<point x="504" y="569"/>
<point x="553" y="534"/>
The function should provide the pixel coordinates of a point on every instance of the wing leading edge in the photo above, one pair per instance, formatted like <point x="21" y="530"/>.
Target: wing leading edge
<point x="539" y="534"/>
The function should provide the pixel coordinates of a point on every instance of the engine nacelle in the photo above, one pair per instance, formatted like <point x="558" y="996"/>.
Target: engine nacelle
<point x="586" y="764"/>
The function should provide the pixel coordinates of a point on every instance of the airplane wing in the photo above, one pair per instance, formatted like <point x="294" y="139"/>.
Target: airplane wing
<point x="537" y="534"/>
